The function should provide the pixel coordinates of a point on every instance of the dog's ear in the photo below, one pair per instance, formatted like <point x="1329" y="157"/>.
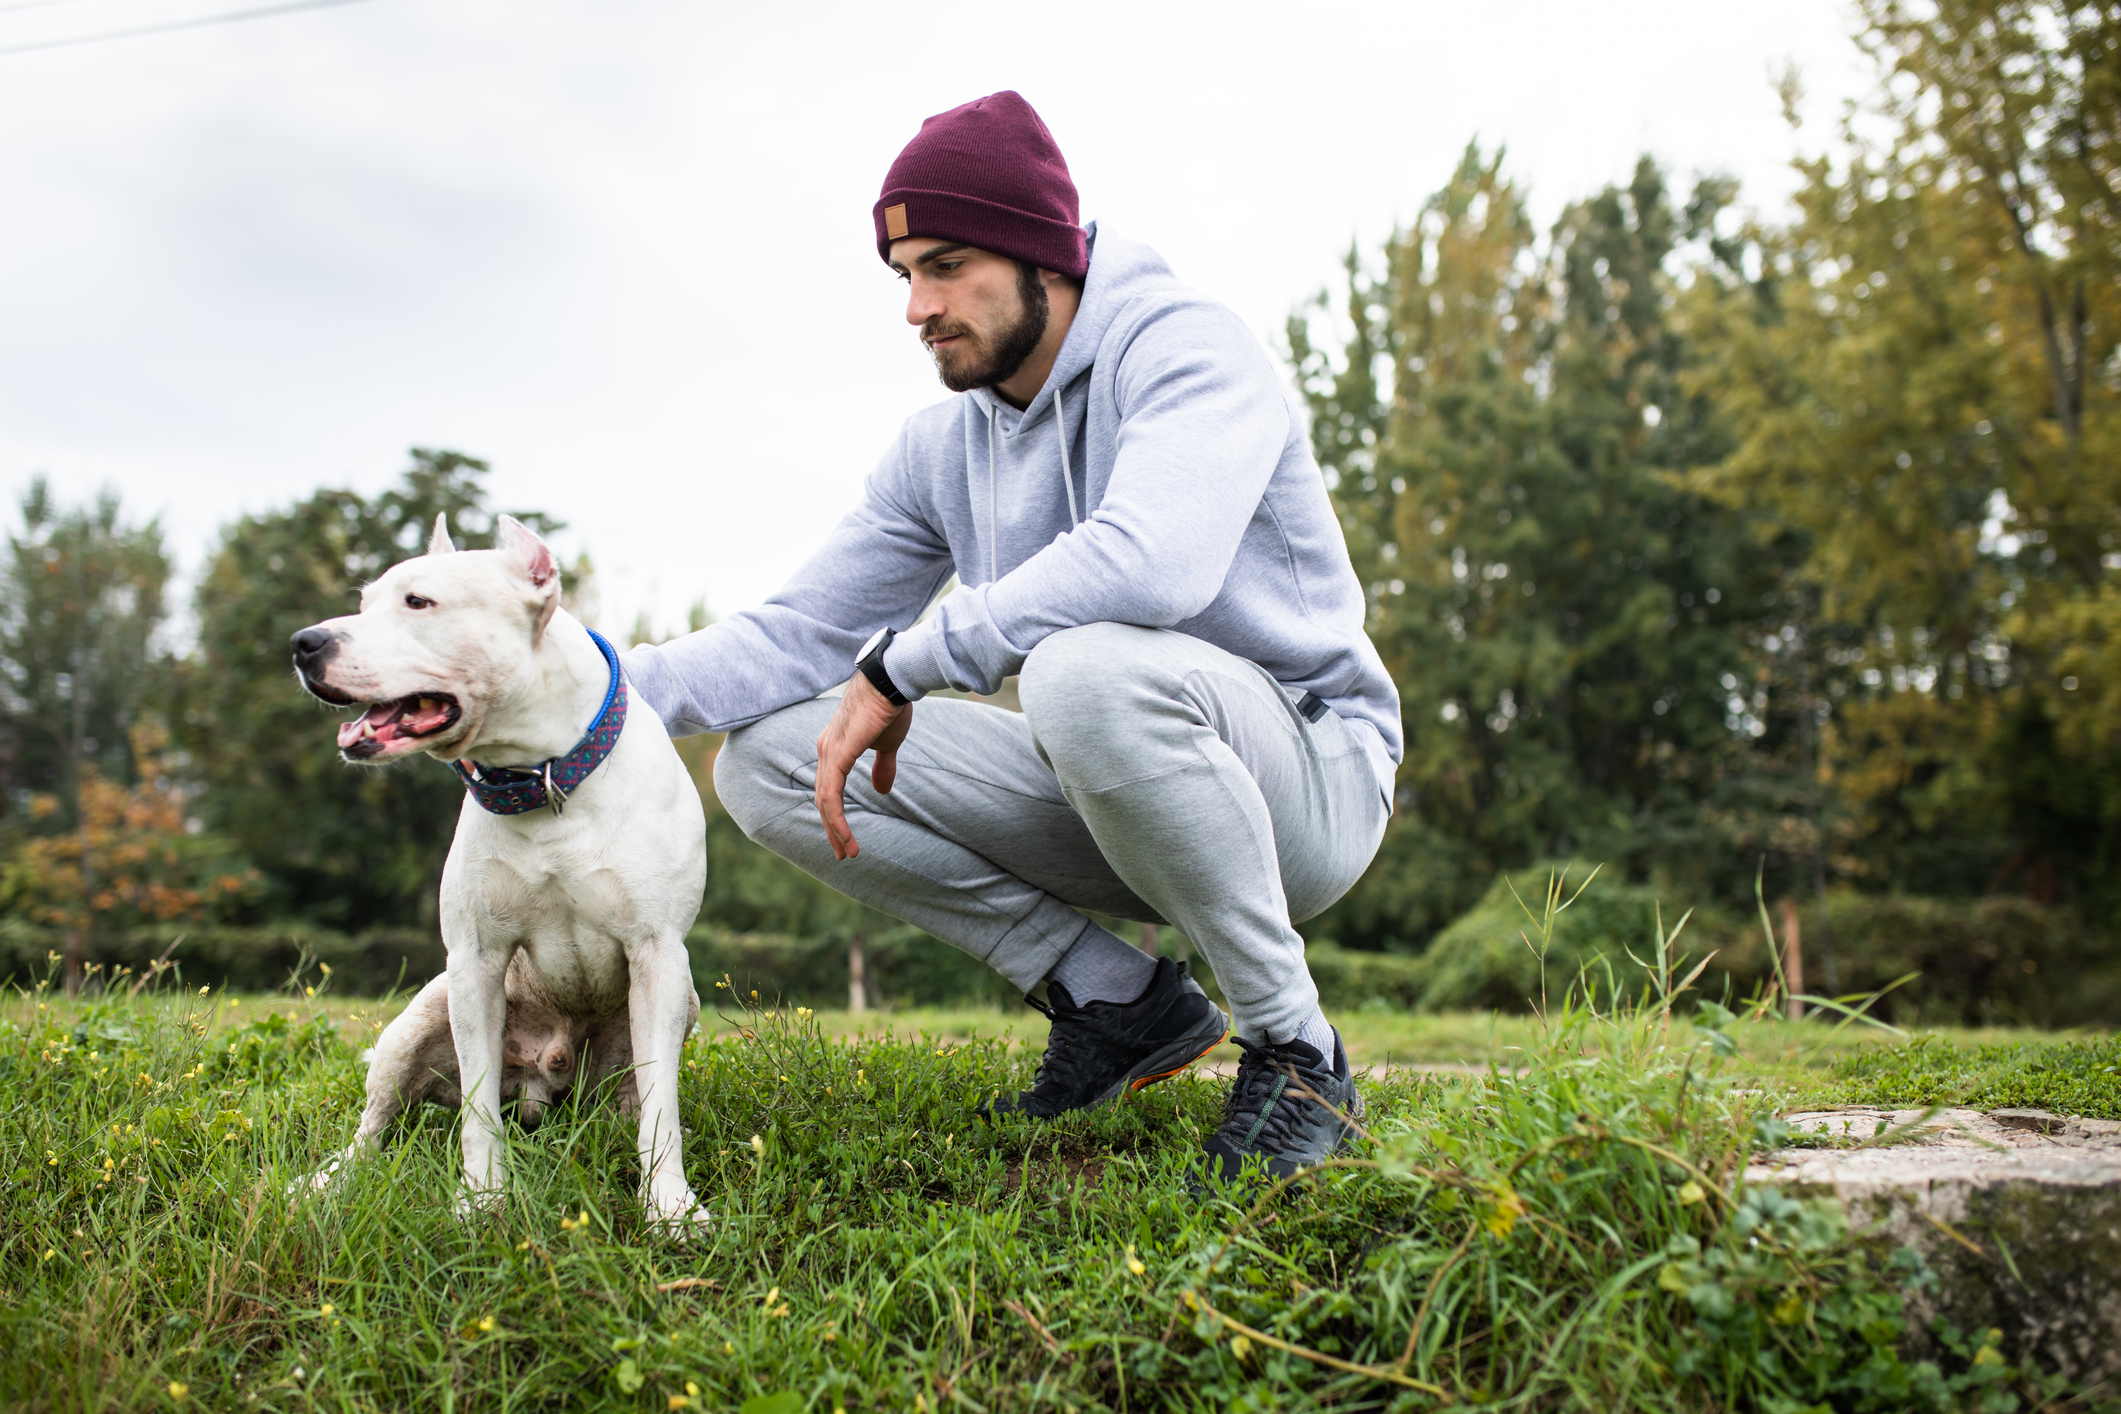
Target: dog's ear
<point x="534" y="557"/>
<point x="438" y="543"/>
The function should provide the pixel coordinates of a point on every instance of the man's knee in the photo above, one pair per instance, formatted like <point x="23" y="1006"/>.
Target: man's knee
<point x="1082" y="686"/>
<point x="756" y="773"/>
<point x="1084" y="668"/>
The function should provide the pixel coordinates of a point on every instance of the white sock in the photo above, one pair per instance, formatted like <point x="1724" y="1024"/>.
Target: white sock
<point x="1103" y="967"/>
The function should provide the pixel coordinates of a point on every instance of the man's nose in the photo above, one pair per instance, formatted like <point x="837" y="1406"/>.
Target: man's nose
<point x="921" y="305"/>
<point x="314" y="648"/>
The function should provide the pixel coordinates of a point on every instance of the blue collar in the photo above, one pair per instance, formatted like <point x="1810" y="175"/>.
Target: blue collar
<point x="507" y="790"/>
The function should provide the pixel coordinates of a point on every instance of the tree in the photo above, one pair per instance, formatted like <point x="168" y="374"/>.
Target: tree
<point x="1501" y="436"/>
<point x="131" y="857"/>
<point x="1923" y="375"/>
<point x="81" y="596"/>
<point x="349" y="847"/>
<point x="82" y="600"/>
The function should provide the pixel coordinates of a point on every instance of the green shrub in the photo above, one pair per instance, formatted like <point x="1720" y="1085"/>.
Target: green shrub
<point x="905" y="968"/>
<point x="1484" y="961"/>
<point x="1983" y="962"/>
<point x="1347" y="978"/>
<point x="1978" y="962"/>
<point x="260" y="959"/>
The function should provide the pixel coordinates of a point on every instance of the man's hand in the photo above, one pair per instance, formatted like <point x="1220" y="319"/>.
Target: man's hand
<point x="865" y="719"/>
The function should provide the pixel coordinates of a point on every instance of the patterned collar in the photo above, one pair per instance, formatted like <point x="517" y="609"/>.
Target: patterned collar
<point x="506" y="790"/>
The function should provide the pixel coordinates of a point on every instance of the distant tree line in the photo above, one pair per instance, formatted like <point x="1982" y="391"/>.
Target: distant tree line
<point x="1696" y="541"/>
<point x="1699" y="545"/>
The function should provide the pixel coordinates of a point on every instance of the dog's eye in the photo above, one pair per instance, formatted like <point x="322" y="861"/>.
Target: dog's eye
<point x="414" y="601"/>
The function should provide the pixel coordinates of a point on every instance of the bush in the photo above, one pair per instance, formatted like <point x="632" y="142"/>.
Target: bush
<point x="1983" y="962"/>
<point x="1483" y="962"/>
<point x="241" y="959"/>
<point x="1979" y="962"/>
<point x="905" y="968"/>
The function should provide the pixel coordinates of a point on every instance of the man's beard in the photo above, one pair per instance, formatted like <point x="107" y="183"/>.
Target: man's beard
<point x="994" y="358"/>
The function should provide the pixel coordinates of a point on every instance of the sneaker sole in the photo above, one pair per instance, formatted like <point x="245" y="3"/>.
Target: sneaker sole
<point x="1171" y="1060"/>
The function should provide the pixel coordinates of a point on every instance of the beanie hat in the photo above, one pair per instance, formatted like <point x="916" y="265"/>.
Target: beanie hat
<point x="989" y="174"/>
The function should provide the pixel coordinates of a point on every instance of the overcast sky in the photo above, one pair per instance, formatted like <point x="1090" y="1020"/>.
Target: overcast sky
<point x="623" y="250"/>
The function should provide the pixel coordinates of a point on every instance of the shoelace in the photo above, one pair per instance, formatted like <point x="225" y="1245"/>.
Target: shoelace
<point x="1063" y="1043"/>
<point x="1261" y="1084"/>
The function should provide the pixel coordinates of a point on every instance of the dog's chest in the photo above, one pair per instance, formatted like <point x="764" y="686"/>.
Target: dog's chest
<point x="571" y="916"/>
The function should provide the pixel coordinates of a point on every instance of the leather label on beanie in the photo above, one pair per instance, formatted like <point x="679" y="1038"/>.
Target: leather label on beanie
<point x="894" y="222"/>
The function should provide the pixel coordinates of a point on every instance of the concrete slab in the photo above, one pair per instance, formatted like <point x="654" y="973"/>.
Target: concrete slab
<point x="2018" y="1213"/>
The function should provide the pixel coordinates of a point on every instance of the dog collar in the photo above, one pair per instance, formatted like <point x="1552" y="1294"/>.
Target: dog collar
<point x="508" y="790"/>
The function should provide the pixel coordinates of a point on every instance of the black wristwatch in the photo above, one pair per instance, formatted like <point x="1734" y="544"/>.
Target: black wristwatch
<point x="871" y="666"/>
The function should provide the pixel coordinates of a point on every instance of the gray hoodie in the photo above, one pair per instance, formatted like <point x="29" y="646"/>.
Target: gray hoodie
<point x="1159" y="478"/>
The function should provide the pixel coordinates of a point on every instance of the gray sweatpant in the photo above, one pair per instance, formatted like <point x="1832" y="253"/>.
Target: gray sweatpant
<point x="1150" y="776"/>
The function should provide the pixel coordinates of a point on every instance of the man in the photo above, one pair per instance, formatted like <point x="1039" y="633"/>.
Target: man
<point x="1139" y="532"/>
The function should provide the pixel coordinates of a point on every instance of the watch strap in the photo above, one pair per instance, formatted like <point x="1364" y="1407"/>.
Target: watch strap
<point x="871" y="666"/>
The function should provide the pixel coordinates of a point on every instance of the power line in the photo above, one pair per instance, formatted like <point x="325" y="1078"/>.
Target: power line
<point x="228" y="18"/>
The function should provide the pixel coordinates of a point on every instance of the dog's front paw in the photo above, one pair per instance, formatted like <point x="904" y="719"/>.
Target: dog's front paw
<point x="474" y="1203"/>
<point x="679" y="1214"/>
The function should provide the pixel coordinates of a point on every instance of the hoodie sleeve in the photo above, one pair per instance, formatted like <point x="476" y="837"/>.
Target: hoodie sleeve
<point x="1203" y="425"/>
<point x="881" y="565"/>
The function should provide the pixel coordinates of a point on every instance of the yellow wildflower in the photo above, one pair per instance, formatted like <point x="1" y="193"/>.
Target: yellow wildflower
<point x="1505" y="1208"/>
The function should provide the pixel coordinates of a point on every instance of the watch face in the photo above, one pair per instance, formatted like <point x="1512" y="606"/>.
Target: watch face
<point x="871" y="646"/>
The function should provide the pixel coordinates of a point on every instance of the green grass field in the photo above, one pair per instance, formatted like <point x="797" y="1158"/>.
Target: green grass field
<point x="1565" y="1231"/>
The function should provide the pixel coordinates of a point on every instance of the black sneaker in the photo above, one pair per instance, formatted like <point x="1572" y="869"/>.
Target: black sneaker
<point x="1270" y="1120"/>
<point x="1102" y="1050"/>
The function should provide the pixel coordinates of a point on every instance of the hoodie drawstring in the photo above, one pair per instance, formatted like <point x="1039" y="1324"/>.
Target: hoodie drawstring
<point x="1075" y="517"/>
<point x="993" y="494"/>
<point x="1067" y="472"/>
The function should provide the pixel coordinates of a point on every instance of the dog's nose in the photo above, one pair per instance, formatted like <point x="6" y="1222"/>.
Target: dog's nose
<point x="313" y="649"/>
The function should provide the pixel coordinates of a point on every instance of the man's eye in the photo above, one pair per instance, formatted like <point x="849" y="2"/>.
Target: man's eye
<point x="414" y="601"/>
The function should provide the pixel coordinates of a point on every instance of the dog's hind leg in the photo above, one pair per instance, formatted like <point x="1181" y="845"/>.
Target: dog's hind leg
<point x="413" y="1060"/>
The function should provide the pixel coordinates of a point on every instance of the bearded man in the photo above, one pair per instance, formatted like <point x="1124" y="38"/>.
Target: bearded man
<point x="1139" y="533"/>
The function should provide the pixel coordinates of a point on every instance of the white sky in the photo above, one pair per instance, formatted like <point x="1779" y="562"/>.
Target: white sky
<point x="623" y="249"/>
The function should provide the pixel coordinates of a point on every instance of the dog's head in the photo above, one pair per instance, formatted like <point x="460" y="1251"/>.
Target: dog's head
<point x="439" y="640"/>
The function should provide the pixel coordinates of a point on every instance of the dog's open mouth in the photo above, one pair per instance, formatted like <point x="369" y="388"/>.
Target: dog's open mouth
<point x="407" y="719"/>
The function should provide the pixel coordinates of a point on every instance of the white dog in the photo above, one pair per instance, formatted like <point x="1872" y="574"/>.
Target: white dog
<point x="578" y="864"/>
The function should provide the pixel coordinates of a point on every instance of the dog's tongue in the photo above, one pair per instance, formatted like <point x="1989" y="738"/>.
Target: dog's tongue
<point x="391" y="721"/>
<point x="374" y="722"/>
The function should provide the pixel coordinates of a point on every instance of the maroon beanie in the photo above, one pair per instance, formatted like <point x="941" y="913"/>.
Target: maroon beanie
<point x="988" y="174"/>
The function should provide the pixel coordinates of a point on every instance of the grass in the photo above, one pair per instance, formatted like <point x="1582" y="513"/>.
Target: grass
<point x="1568" y="1230"/>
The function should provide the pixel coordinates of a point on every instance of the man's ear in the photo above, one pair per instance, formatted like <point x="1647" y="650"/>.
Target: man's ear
<point x="438" y="543"/>
<point x="534" y="558"/>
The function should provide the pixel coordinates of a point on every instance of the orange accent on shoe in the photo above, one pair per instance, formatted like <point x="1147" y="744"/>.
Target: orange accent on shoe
<point x="1147" y="1080"/>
